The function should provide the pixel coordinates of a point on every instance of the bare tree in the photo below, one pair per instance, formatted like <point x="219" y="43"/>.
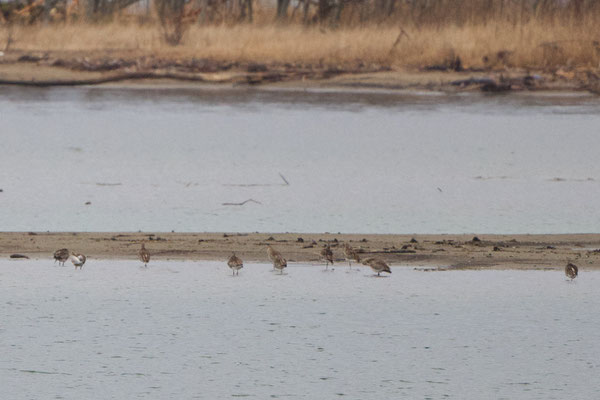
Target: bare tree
<point x="282" y="9"/>
<point x="97" y="10"/>
<point x="245" y="10"/>
<point x="171" y="16"/>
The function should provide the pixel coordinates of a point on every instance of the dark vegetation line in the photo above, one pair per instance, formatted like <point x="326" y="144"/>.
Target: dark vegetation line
<point x="97" y="81"/>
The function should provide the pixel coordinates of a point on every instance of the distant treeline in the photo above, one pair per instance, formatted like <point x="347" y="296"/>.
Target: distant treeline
<point x="330" y="12"/>
<point x="175" y="15"/>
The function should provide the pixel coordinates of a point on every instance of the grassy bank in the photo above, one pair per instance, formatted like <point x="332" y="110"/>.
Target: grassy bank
<point x="496" y="45"/>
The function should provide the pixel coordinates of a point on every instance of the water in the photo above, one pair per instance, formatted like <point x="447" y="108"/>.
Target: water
<point x="164" y="159"/>
<point x="190" y="330"/>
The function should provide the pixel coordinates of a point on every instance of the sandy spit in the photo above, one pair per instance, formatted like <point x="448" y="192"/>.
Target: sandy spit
<point x="425" y="251"/>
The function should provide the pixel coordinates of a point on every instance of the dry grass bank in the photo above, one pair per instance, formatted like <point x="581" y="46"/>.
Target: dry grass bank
<point x="535" y="45"/>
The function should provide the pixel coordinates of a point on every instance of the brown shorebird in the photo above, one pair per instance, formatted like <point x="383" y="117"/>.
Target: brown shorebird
<point x="144" y="255"/>
<point x="61" y="256"/>
<point x="327" y="255"/>
<point x="272" y="253"/>
<point x="377" y="265"/>
<point x="571" y="271"/>
<point x="235" y="263"/>
<point x="78" y="260"/>
<point x="279" y="263"/>
<point x="351" y="254"/>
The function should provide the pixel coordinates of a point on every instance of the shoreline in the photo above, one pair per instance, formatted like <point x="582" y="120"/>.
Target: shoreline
<point x="436" y="252"/>
<point x="48" y="69"/>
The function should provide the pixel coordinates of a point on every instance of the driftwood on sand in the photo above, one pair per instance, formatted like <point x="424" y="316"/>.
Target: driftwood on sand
<point x="126" y="76"/>
<point x="242" y="203"/>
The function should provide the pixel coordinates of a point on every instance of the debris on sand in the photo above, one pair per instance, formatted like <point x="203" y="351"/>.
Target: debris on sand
<point x="242" y="203"/>
<point x="108" y="184"/>
<point x="19" y="256"/>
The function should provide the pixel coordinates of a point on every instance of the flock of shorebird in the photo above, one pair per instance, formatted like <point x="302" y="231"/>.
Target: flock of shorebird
<point x="236" y="263"/>
<point x="279" y="262"/>
<point x="62" y="255"/>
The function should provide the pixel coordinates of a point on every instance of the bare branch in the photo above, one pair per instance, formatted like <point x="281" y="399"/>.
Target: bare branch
<point x="285" y="180"/>
<point x="242" y="203"/>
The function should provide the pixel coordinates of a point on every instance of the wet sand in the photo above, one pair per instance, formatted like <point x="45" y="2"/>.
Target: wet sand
<point x="428" y="252"/>
<point x="50" y="69"/>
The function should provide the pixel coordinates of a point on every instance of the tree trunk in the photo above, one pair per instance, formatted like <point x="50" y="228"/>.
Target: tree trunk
<point x="282" y="9"/>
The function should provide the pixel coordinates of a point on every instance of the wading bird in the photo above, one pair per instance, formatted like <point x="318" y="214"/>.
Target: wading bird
<point x="78" y="260"/>
<point x="272" y="253"/>
<point x="280" y="263"/>
<point x="235" y="263"/>
<point x="327" y="255"/>
<point x="61" y="256"/>
<point x="377" y="265"/>
<point x="351" y="254"/>
<point x="571" y="271"/>
<point x="144" y="255"/>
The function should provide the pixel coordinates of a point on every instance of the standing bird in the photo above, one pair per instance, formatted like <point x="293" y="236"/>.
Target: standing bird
<point x="272" y="253"/>
<point x="571" y="271"/>
<point x="280" y="263"/>
<point x="78" y="260"/>
<point x="235" y="263"/>
<point x="327" y="255"/>
<point x="351" y="254"/>
<point x="61" y="256"/>
<point x="144" y="255"/>
<point x="377" y="265"/>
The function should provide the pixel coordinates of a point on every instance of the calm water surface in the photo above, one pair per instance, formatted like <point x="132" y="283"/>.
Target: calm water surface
<point x="182" y="330"/>
<point x="164" y="159"/>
